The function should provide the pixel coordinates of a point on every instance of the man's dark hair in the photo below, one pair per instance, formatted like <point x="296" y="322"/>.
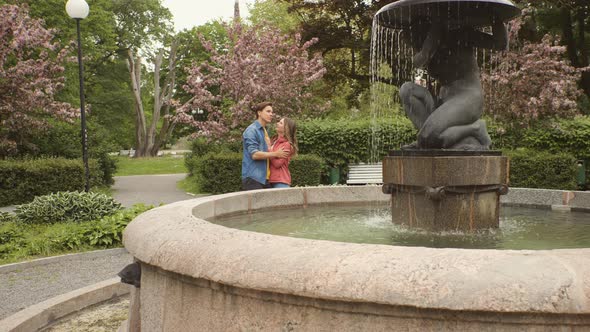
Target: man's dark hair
<point x="260" y="106"/>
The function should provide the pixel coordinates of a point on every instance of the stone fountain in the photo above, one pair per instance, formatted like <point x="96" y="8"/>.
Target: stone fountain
<point x="448" y="179"/>
<point x="198" y="276"/>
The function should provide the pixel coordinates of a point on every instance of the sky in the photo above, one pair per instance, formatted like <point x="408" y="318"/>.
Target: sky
<point x="189" y="13"/>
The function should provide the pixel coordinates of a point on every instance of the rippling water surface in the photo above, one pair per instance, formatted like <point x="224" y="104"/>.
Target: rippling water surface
<point x="520" y="228"/>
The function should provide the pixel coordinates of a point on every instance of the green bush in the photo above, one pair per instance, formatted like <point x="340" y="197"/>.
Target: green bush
<point x="201" y="147"/>
<point x="533" y="169"/>
<point x="570" y="136"/>
<point x="22" y="180"/>
<point x="63" y="140"/>
<point x="67" y="206"/>
<point x="7" y="217"/>
<point x="219" y="173"/>
<point x="346" y="142"/>
<point x="19" y="241"/>
<point x="306" y="170"/>
<point x="10" y="232"/>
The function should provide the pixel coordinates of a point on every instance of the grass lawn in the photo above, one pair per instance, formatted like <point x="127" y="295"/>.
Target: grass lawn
<point x="148" y="166"/>
<point x="189" y="185"/>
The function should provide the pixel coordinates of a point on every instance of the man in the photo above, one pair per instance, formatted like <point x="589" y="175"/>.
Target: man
<point x="255" y="141"/>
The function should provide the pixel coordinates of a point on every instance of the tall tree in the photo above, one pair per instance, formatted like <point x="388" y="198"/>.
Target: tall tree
<point x="571" y="20"/>
<point x="112" y="28"/>
<point x="31" y="73"/>
<point x="258" y="63"/>
<point x="148" y="137"/>
<point x="532" y="81"/>
<point x="343" y="28"/>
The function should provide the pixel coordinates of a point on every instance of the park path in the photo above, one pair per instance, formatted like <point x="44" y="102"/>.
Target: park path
<point x="148" y="189"/>
<point x="30" y="284"/>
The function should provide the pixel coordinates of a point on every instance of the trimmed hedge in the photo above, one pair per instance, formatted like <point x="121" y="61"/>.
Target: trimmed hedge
<point x="533" y="169"/>
<point x="571" y="136"/>
<point x="22" y="180"/>
<point x="346" y="142"/>
<point x="219" y="173"/>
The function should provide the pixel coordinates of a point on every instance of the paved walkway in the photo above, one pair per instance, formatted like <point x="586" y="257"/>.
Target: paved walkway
<point x="148" y="189"/>
<point x="27" y="284"/>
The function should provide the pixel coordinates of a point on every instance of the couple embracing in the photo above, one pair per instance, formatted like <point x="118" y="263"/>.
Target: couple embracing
<point x="265" y="161"/>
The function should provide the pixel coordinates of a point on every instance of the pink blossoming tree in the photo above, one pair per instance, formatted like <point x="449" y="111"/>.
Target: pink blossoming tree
<point x="531" y="81"/>
<point x="256" y="64"/>
<point x="30" y="77"/>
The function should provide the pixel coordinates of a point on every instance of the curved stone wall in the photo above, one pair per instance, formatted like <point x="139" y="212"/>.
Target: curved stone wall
<point x="197" y="275"/>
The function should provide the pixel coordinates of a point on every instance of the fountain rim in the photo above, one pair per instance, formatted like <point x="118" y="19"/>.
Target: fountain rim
<point x="172" y="238"/>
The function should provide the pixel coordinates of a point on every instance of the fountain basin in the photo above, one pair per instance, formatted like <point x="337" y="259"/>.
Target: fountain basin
<point x="195" y="273"/>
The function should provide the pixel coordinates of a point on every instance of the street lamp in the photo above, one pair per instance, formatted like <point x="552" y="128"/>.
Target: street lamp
<point x="78" y="10"/>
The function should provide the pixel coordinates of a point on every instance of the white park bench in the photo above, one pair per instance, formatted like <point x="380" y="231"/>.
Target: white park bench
<point x="365" y="174"/>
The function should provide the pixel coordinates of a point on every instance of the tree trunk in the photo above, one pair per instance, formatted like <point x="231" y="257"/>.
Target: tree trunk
<point x="140" y="127"/>
<point x="568" y="35"/>
<point x="148" y="140"/>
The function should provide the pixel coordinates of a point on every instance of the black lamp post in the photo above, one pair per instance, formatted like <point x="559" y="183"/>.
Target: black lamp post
<point x="78" y="10"/>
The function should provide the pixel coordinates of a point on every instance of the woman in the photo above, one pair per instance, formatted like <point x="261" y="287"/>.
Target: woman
<point x="286" y="139"/>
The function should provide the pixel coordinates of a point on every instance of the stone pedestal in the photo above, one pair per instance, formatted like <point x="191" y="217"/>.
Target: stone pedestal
<point x="444" y="190"/>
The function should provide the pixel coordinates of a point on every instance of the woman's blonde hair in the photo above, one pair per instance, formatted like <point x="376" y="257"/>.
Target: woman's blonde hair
<point x="291" y="134"/>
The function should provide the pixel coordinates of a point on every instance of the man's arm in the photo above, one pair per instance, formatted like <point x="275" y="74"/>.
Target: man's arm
<point x="259" y="155"/>
<point x="251" y="145"/>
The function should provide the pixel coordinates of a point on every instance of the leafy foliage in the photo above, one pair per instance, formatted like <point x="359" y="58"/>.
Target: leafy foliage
<point x="31" y="74"/>
<point x="67" y="206"/>
<point x="258" y="63"/>
<point x="534" y="169"/>
<point x="22" y="180"/>
<point x="220" y="172"/>
<point x="7" y="217"/>
<point x="306" y="170"/>
<point x="571" y="136"/>
<point x="344" y="142"/>
<point x="532" y="81"/>
<point x="19" y="241"/>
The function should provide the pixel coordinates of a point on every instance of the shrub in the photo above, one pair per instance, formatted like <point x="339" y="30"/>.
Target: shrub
<point x="306" y="170"/>
<point x="9" y="232"/>
<point x="345" y="142"/>
<point x="7" y="217"/>
<point x="67" y="206"/>
<point x="221" y="172"/>
<point x="22" y="180"/>
<point x="26" y="240"/>
<point x="571" y="136"/>
<point x="533" y="169"/>
<point x="200" y="146"/>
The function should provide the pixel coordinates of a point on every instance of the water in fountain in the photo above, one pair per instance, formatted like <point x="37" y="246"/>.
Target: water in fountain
<point x="520" y="228"/>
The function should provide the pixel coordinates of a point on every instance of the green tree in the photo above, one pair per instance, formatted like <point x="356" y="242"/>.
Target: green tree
<point x="112" y="28"/>
<point x="275" y="13"/>
<point x="570" y="19"/>
<point x="343" y="28"/>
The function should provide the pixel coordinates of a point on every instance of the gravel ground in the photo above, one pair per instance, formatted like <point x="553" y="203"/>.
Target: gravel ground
<point x="104" y="317"/>
<point x="25" y="287"/>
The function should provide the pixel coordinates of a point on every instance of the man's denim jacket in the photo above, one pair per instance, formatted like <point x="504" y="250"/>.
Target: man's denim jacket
<point x="252" y="141"/>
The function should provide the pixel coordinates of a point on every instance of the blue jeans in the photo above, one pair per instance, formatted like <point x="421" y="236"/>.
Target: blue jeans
<point x="280" y="185"/>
